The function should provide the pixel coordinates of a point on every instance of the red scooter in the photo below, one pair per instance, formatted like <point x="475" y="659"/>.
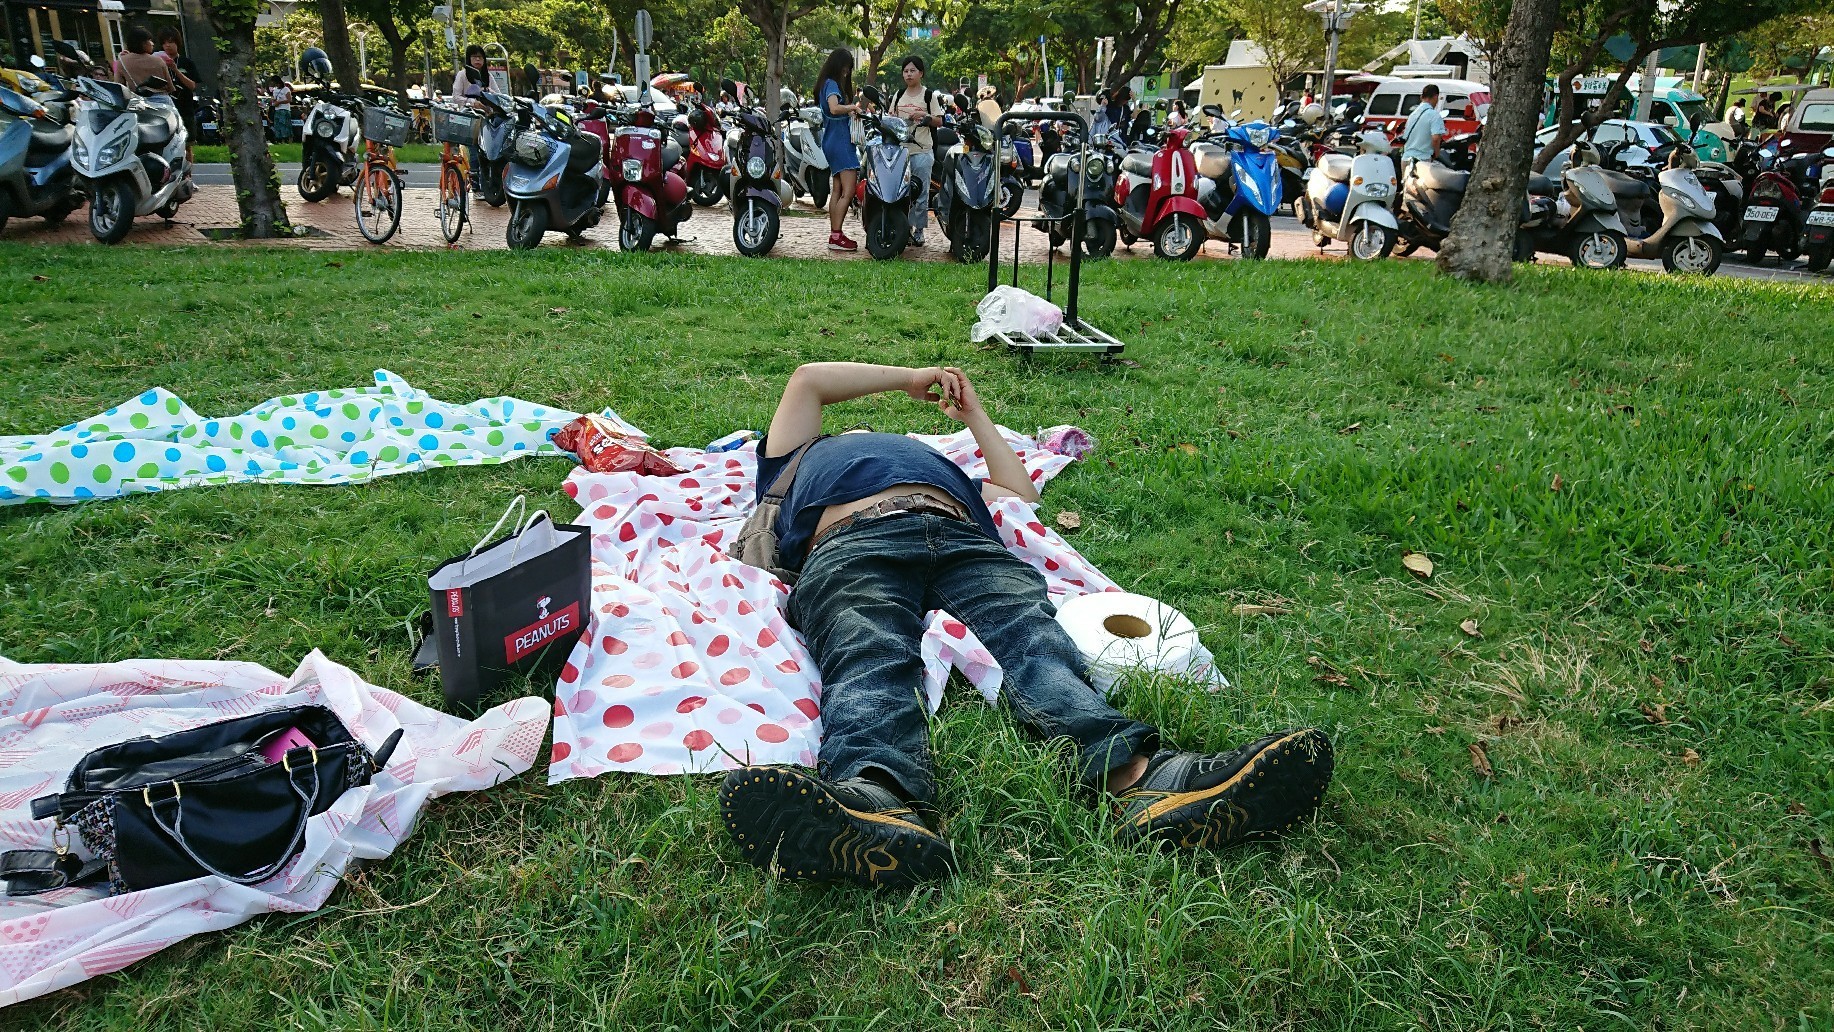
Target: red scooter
<point x="1156" y="197"/>
<point x="645" y="171"/>
<point x="700" y="135"/>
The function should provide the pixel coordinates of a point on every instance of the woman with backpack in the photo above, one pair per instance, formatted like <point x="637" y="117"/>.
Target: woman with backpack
<point x="922" y="107"/>
<point x="833" y="87"/>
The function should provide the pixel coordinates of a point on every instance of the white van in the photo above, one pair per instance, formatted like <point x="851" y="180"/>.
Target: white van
<point x="1394" y="99"/>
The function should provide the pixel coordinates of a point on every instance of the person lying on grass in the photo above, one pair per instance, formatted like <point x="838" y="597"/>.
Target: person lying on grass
<point x="884" y="529"/>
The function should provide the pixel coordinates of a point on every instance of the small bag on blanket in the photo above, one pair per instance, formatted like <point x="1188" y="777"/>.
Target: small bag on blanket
<point x="507" y="603"/>
<point x="229" y="799"/>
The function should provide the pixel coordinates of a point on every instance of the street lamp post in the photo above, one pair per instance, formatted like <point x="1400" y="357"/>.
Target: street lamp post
<point x="1336" y="15"/>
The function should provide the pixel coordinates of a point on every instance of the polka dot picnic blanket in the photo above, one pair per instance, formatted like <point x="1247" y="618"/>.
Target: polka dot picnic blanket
<point x="155" y="442"/>
<point x="688" y="664"/>
<point x="52" y="714"/>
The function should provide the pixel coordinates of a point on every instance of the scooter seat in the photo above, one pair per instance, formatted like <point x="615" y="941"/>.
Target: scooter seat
<point x="1626" y="187"/>
<point x="1541" y="185"/>
<point x="48" y="137"/>
<point x="1336" y="167"/>
<point x="1137" y="163"/>
<point x="155" y="128"/>
<point x="1434" y="176"/>
<point x="1212" y="160"/>
<point x="671" y="155"/>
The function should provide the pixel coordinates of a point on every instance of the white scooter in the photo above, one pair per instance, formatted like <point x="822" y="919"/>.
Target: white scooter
<point x="331" y="154"/>
<point x="805" y="167"/>
<point x="1352" y="199"/>
<point x="1674" y="221"/>
<point x="129" y="156"/>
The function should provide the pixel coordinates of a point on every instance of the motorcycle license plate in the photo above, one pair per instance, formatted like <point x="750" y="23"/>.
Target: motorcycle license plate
<point x="1760" y="214"/>
<point x="1821" y="218"/>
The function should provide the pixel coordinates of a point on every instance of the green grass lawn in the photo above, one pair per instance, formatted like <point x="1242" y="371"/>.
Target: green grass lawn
<point x="289" y="153"/>
<point x="1624" y="482"/>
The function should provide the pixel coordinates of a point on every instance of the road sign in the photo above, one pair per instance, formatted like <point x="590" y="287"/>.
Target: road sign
<point x="980" y="82"/>
<point x="643" y="29"/>
<point x="642" y="62"/>
<point x="1060" y="73"/>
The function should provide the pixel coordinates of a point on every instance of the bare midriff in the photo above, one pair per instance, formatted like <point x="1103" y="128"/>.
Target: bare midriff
<point x="835" y="513"/>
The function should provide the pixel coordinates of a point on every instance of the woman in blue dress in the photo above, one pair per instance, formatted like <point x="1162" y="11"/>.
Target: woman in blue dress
<point x="832" y="89"/>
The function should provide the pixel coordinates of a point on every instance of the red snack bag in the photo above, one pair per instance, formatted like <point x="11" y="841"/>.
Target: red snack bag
<point x="602" y="449"/>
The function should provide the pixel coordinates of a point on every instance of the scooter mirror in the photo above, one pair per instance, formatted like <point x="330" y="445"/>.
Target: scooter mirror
<point x="38" y="62"/>
<point x="872" y="95"/>
<point x="65" y="48"/>
<point x="1213" y="110"/>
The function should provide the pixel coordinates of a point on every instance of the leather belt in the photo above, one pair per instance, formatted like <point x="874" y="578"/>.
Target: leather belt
<point x="888" y="507"/>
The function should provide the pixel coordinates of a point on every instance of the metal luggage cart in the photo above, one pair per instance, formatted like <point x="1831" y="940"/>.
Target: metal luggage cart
<point x="1076" y="333"/>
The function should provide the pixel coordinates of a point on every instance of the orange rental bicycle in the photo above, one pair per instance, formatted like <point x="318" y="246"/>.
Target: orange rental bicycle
<point x="378" y="190"/>
<point x="456" y="130"/>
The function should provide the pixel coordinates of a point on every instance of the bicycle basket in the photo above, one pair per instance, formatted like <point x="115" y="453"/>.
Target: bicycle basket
<point x="453" y="126"/>
<point x="385" y="126"/>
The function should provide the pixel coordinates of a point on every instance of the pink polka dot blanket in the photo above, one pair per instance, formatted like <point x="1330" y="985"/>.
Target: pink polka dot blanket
<point x="52" y="714"/>
<point x="688" y="664"/>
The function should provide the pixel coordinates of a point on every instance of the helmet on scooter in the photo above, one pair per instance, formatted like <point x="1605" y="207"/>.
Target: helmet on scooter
<point x="316" y="64"/>
<point x="1312" y="113"/>
<point x="1373" y="141"/>
<point x="1584" y="153"/>
<point x="697" y="119"/>
<point x="786" y="96"/>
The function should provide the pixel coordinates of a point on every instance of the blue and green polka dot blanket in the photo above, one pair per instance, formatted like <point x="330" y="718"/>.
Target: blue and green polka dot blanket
<point x="155" y="442"/>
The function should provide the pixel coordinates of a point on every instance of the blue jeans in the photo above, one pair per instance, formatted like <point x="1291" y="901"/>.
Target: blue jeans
<point x="860" y="604"/>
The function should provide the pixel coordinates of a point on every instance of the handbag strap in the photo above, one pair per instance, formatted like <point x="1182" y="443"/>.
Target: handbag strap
<point x="519" y="529"/>
<point x="787" y="476"/>
<point x="174" y="826"/>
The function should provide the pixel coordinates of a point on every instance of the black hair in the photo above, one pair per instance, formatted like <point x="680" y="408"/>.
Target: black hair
<point x="914" y="59"/>
<point x="474" y="51"/>
<point x="1429" y="91"/>
<point x="168" y="35"/>
<point x="838" y="69"/>
<point x="139" y="37"/>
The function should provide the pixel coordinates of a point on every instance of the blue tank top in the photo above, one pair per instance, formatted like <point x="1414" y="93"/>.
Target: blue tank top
<point x="850" y="467"/>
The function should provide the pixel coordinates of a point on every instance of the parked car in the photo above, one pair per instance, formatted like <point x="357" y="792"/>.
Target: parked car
<point x="1393" y="100"/>
<point x="1811" y="124"/>
<point x="1684" y="111"/>
<point x="1644" y="135"/>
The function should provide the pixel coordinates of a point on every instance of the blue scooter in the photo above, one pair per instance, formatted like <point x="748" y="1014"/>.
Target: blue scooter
<point x="1239" y="184"/>
<point x="35" y="173"/>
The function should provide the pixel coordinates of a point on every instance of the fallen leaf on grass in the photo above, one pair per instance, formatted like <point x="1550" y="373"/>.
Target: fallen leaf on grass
<point x="1327" y="673"/>
<point x="1488" y="408"/>
<point x="41" y="279"/>
<point x="1657" y="714"/>
<point x="1017" y="977"/>
<point x="1246" y="609"/>
<point x="1443" y="357"/>
<point x="334" y="265"/>
<point x="1470" y="628"/>
<point x="1504" y="721"/>
<point x="1351" y="429"/>
<point x="477" y="315"/>
<point x="1668" y="569"/>
<point x="1646" y="645"/>
<point x="1435" y="730"/>
<point x="1798" y="810"/>
<point x="1229" y="537"/>
<point x="1690" y="757"/>
<point x="1480" y="760"/>
<point x="559" y="311"/>
<point x="1555" y="486"/>
<point x="1820" y="857"/>
<point x="1787" y="640"/>
<point x="1130" y="363"/>
<point x="1188" y="448"/>
<point x="1069" y="520"/>
<point x="1417" y="564"/>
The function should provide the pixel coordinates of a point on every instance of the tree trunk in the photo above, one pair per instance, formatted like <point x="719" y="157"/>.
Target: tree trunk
<point x="774" y="40"/>
<point x="263" y="213"/>
<point x="1482" y="241"/>
<point x="398" y="44"/>
<point x="337" y="46"/>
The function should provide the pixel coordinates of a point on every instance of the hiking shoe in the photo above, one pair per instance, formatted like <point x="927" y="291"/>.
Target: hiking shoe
<point x="815" y="830"/>
<point x="1263" y="788"/>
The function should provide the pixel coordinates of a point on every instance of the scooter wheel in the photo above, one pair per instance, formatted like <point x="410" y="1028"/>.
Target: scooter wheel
<point x="316" y="180"/>
<point x="1012" y="194"/>
<point x="528" y="223"/>
<point x="1098" y="239"/>
<point x="818" y="187"/>
<point x="1818" y="260"/>
<point x="1600" y="250"/>
<point x="1179" y="239"/>
<point x="1755" y="253"/>
<point x="635" y="232"/>
<point x="887" y="231"/>
<point x="1369" y="241"/>
<point x="1257" y="235"/>
<point x="1698" y="255"/>
<point x="971" y="246"/>
<point x="111" y="211"/>
<point x="754" y="230"/>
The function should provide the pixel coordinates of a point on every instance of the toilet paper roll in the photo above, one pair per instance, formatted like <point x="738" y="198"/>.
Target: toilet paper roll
<point x="1118" y="632"/>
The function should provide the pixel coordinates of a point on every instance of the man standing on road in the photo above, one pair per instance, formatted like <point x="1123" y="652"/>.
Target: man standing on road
<point x="884" y="529"/>
<point x="1425" y="130"/>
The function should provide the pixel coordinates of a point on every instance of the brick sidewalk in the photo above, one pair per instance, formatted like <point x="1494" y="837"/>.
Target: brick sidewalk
<point x="804" y="234"/>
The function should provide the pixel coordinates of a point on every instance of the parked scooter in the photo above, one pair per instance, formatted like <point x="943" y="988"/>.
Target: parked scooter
<point x="1671" y="219"/>
<point x="1057" y="198"/>
<point x="1239" y="184"/>
<point x="1156" y="197"/>
<point x="888" y="187"/>
<point x="1351" y="199"/>
<point x="967" y="174"/>
<point x="1014" y="172"/>
<point x="758" y="190"/>
<point x="555" y="179"/>
<point x="332" y="154"/>
<point x="504" y="115"/>
<point x="35" y="174"/>
<point x="1817" y="241"/>
<point x="1773" y="219"/>
<point x="805" y="167"/>
<point x="128" y="153"/>
<point x="651" y="195"/>
<point x="701" y="137"/>
<point x="1576" y="217"/>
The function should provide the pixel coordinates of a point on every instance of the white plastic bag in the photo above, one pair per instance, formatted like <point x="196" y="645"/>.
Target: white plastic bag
<point x="1007" y="309"/>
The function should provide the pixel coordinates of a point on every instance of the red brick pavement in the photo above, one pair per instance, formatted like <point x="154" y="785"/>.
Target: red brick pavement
<point x="804" y="234"/>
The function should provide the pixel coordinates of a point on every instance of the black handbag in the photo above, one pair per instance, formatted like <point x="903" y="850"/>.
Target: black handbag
<point x="220" y="800"/>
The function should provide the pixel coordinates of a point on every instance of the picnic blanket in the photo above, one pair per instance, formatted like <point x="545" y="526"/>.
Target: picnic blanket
<point x="688" y="664"/>
<point x="52" y="714"/>
<point x="155" y="442"/>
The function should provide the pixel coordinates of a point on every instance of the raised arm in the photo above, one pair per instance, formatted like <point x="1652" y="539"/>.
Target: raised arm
<point x="812" y="386"/>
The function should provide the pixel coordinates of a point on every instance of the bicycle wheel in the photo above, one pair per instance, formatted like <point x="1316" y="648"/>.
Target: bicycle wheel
<point x="454" y="203"/>
<point x="378" y="201"/>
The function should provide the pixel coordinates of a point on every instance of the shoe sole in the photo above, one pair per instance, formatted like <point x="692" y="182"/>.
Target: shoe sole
<point x="785" y="821"/>
<point x="843" y="250"/>
<point x="1282" y="785"/>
